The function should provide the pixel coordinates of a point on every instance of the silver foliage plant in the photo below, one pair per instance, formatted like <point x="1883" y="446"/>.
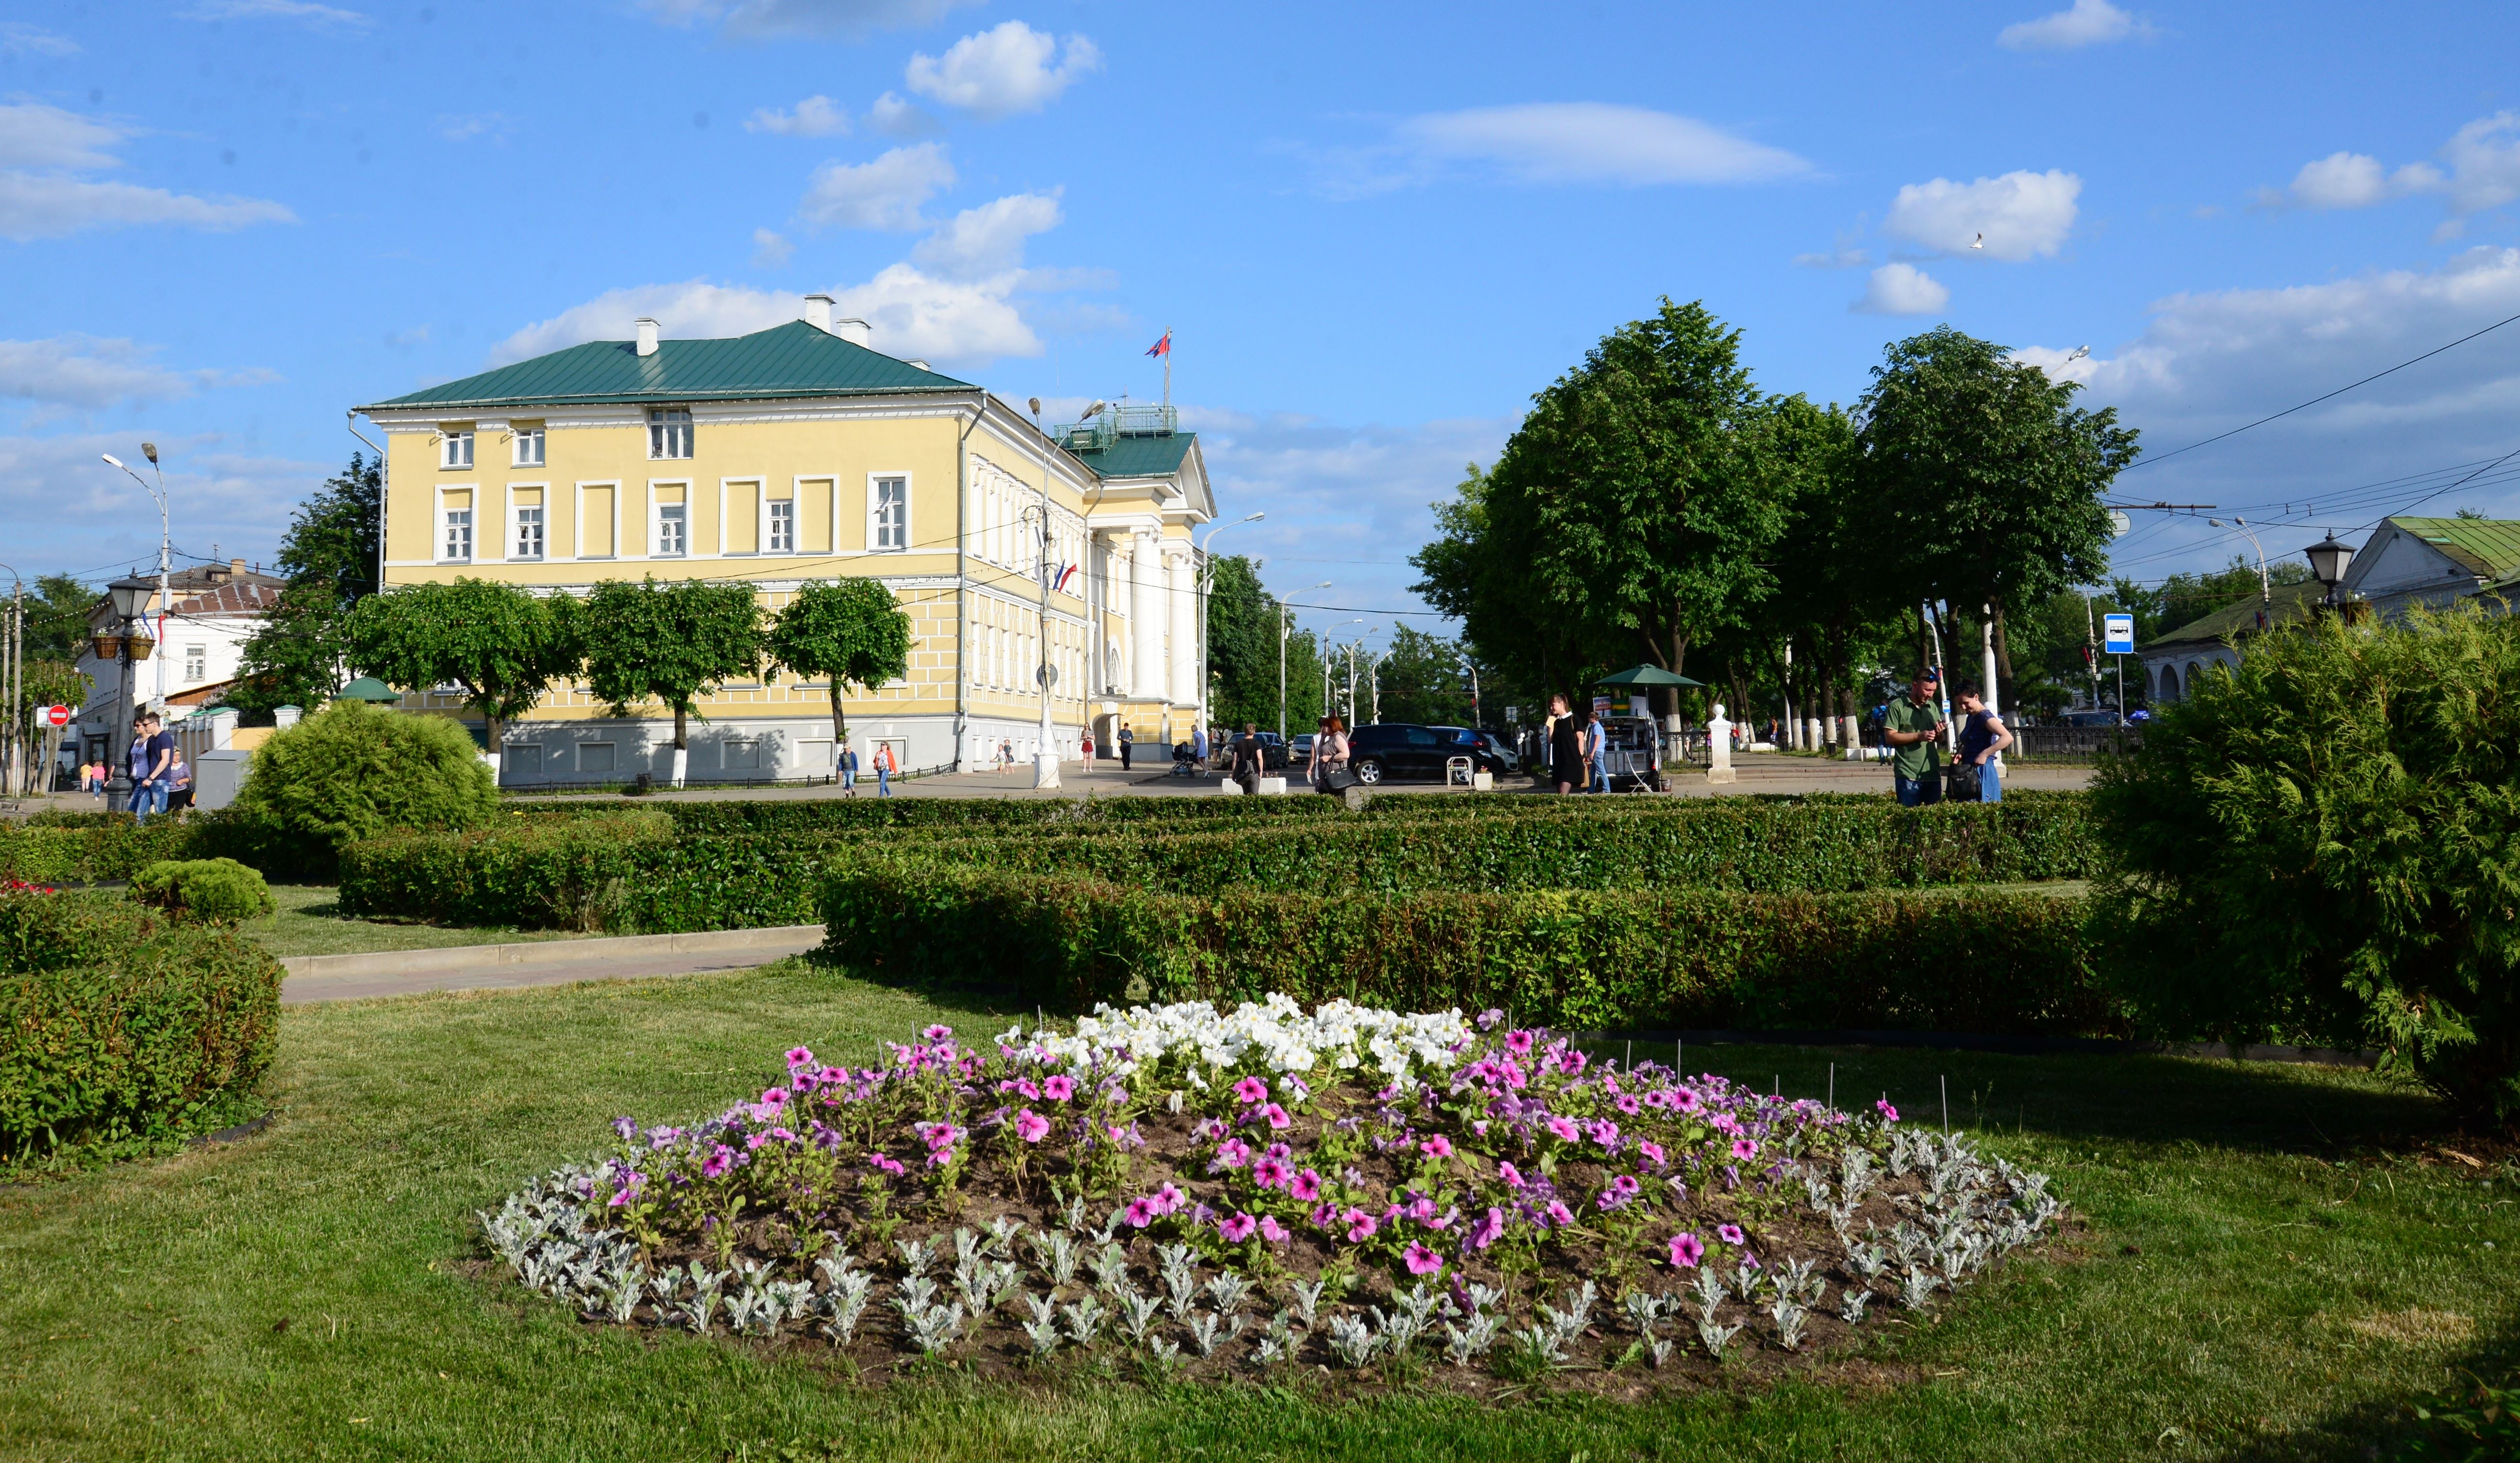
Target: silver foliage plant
<point x="1074" y="1282"/>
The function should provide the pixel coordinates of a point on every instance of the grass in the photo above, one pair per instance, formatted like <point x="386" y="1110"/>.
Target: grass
<point x="309" y="922"/>
<point x="2267" y="1269"/>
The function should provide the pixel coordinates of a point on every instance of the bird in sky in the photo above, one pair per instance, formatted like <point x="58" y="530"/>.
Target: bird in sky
<point x="1978" y="243"/>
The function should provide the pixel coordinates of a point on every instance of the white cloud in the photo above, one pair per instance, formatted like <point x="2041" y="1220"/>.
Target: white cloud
<point x="2090" y="23"/>
<point x="912" y="315"/>
<point x="321" y="17"/>
<point x="1593" y="142"/>
<point x="770" y="250"/>
<point x="2019" y="215"/>
<point x="1902" y="289"/>
<point x="84" y="371"/>
<point x="988" y="240"/>
<point x="17" y="38"/>
<point x="35" y="205"/>
<point x="815" y="116"/>
<point x="1002" y="70"/>
<point x="68" y="512"/>
<point x="2484" y="163"/>
<point x="2484" y="173"/>
<point x="755" y="20"/>
<point x="894" y="115"/>
<point x="466" y="127"/>
<point x="34" y="135"/>
<point x="53" y="202"/>
<point x="884" y="193"/>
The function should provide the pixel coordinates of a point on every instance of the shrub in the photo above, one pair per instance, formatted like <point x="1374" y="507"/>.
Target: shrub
<point x="217" y="891"/>
<point x="571" y="873"/>
<point x="92" y="852"/>
<point x="116" y="1024"/>
<point x="352" y="771"/>
<point x="1580" y="959"/>
<point x="2321" y="846"/>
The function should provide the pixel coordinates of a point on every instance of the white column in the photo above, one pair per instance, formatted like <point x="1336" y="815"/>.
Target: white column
<point x="1183" y="605"/>
<point x="1145" y="621"/>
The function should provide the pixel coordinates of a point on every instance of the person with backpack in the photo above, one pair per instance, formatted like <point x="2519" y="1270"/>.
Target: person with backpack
<point x="1983" y="734"/>
<point x="1250" y="756"/>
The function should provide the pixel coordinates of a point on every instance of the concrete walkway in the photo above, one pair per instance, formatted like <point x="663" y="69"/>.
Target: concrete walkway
<point x="553" y="962"/>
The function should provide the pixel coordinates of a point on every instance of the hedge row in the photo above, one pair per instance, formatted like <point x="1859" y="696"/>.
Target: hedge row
<point x="95" y="851"/>
<point x="1573" y="960"/>
<point x="1833" y="847"/>
<point x="569" y="874"/>
<point x="115" y="1023"/>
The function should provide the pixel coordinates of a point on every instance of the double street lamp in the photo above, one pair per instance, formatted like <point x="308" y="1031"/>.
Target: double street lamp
<point x="131" y="597"/>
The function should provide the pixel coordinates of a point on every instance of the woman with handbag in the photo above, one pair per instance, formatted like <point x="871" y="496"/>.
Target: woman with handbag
<point x="1982" y="735"/>
<point x="1329" y="758"/>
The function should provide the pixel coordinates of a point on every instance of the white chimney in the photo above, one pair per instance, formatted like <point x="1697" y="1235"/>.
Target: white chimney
<point x="646" y="336"/>
<point x="818" y="312"/>
<point x="854" y="332"/>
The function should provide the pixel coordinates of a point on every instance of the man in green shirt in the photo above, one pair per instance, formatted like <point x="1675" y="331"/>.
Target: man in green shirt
<point x="1911" y="724"/>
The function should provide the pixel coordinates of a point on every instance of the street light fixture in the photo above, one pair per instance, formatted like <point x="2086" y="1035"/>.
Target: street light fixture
<point x="2266" y="592"/>
<point x="129" y="596"/>
<point x="2327" y="561"/>
<point x="166" y="542"/>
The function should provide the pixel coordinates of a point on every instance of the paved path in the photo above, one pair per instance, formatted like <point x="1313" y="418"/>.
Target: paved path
<point x="493" y="967"/>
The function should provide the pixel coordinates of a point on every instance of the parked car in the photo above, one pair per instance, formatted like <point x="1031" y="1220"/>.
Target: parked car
<point x="1406" y="752"/>
<point x="1496" y="754"/>
<point x="2088" y="718"/>
<point x="1302" y="754"/>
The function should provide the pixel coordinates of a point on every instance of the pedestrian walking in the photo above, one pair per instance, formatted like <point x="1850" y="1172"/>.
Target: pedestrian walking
<point x="1565" y="746"/>
<point x="1329" y="756"/>
<point x="1596" y="752"/>
<point x="1250" y="756"/>
<point x="884" y="767"/>
<point x="1983" y="734"/>
<point x="1909" y="725"/>
<point x="848" y="765"/>
<point x="1085" y="753"/>
<point x="1128" y="743"/>
<point x="1198" y="746"/>
<point x="153" y="751"/>
<point x="179" y="787"/>
<point x="1006" y="755"/>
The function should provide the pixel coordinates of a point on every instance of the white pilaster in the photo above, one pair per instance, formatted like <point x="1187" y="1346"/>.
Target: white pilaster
<point x="1145" y="620"/>
<point x="1183" y="605"/>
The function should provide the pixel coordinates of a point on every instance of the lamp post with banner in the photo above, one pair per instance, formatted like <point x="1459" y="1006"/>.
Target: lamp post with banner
<point x="130" y="596"/>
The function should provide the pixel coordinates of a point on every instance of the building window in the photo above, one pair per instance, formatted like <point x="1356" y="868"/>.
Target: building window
<point x="890" y="530"/>
<point x="458" y="542"/>
<point x="529" y="447"/>
<point x="197" y="662"/>
<point x="669" y="432"/>
<point x="455" y="449"/>
<point x="782" y="538"/>
<point x="530" y="532"/>
<point x="670" y="538"/>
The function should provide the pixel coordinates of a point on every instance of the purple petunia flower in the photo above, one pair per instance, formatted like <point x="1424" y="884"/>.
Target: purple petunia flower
<point x="1422" y="1261"/>
<point x="1687" y="1251"/>
<point x="1031" y="1127"/>
<point x="1239" y="1228"/>
<point x="1731" y="1234"/>
<point x="1488" y="1230"/>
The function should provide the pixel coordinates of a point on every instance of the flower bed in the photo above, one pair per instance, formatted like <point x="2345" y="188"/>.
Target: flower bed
<point x="1214" y="1193"/>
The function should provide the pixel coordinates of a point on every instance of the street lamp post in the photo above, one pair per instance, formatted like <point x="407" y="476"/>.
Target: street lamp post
<point x="130" y="596"/>
<point x="1208" y="587"/>
<point x="165" y="542"/>
<point x="1282" y="614"/>
<point x="1467" y="665"/>
<point x="2327" y="561"/>
<point x="2265" y="591"/>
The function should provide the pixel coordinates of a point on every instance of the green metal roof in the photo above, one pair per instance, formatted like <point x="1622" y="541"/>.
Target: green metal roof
<point x="791" y="360"/>
<point x="1151" y="456"/>
<point x="2290" y="603"/>
<point x="2487" y="548"/>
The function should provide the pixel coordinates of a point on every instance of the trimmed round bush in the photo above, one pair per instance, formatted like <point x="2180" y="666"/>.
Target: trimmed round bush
<point x="353" y="771"/>
<point x="215" y="891"/>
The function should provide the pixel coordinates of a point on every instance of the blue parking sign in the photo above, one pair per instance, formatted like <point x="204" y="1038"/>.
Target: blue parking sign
<point x="2118" y="634"/>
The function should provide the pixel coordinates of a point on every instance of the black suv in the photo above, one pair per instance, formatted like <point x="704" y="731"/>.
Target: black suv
<point x="1404" y="752"/>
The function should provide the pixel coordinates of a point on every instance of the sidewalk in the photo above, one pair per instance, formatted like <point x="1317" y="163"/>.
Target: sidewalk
<point x="559" y="962"/>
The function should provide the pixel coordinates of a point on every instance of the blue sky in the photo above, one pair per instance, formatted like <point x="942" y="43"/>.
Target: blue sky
<point x="1375" y="230"/>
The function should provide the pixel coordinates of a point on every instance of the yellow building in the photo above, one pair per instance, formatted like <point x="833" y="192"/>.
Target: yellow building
<point x="800" y="453"/>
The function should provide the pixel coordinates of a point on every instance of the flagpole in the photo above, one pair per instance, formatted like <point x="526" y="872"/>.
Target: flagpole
<point x="1168" y="365"/>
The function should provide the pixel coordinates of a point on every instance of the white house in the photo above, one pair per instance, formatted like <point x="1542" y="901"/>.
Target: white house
<point x="2434" y="563"/>
<point x="2172" y="660"/>
<point x="199" y="646"/>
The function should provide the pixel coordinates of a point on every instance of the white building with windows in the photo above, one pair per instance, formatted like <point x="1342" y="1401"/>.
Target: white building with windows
<point x="197" y="647"/>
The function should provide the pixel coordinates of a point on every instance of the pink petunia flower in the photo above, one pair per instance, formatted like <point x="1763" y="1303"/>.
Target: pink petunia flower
<point x="1488" y="1230"/>
<point x="1058" y="1088"/>
<point x="1360" y="1226"/>
<point x="1512" y="1175"/>
<point x="1438" y="1146"/>
<point x="1234" y="1153"/>
<point x="1271" y="1173"/>
<point x="1306" y="1185"/>
<point x="1273" y="1231"/>
<point x="937" y="1033"/>
<point x="1031" y="1127"/>
<point x="1139" y="1214"/>
<point x="941" y="1157"/>
<point x="799" y="1056"/>
<point x="1031" y="1088"/>
<point x="887" y="1165"/>
<point x="1237" y="1228"/>
<point x="1605" y="1133"/>
<point x="717" y="1163"/>
<point x="1687" y="1251"/>
<point x="1251" y="1089"/>
<point x="1565" y="1129"/>
<point x="1422" y="1261"/>
<point x="1731" y="1234"/>
<point x="1888" y="1113"/>
<point x="1518" y="1043"/>
<point x="1168" y="1199"/>
<point x="1684" y="1100"/>
<point x="1652" y="1152"/>
<point x="1559" y="1213"/>
<point x="1277" y="1116"/>
<point x="1745" y="1149"/>
<point x="1628" y="1104"/>
<point x="773" y="1098"/>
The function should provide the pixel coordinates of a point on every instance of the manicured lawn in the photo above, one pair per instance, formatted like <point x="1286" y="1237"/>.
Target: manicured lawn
<point x="308" y="923"/>
<point x="2244" y="1288"/>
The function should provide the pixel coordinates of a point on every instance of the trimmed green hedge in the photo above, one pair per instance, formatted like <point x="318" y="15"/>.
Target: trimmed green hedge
<point x="558" y="873"/>
<point x="91" y="852"/>
<point x="117" y="1024"/>
<point x="1978" y="962"/>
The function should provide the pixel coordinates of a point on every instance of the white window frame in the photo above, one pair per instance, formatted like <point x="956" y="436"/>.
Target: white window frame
<point x="663" y="423"/>
<point x="577" y="519"/>
<point x="197" y="663"/>
<point x="526" y="448"/>
<point x="874" y="512"/>
<point x="517" y="525"/>
<point x="444" y="522"/>
<point x="656" y="520"/>
<point x="770" y="518"/>
<point x="455" y="450"/>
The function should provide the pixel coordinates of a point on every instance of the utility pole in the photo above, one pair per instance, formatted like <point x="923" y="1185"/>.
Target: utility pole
<point x="1469" y="666"/>
<point x="2091" y="647"/>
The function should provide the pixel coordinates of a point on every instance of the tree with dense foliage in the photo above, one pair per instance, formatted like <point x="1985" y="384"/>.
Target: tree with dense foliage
<point x="58" y="606"/>
<point x="353" y="770"/>
<point x="1982" y="480"/>
<point x="851" y="632"/>
<point x="670" y="643"/>
<point x="1242" y="654"/>
<point x="329" y="558"/>
<point x="2317" y="846"/>
<point x="504" y="647"/>
<point x="1423" y="677"/>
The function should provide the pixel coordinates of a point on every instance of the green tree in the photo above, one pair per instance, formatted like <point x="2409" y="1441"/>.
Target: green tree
<point x="2316" y="847"/>
<point x="1477" y="571"/>
<point x="851" y="632"/>
<point x="353" y="770"/>
<point x="329" y="558"/>
<point x="1982" y="479"/>
<point x="56" y="611"/>
<point x="1242" y="654"/>
<point x="1421" y="678"/>
<point x="669" y="643"/>
<point x="504" y="647"/>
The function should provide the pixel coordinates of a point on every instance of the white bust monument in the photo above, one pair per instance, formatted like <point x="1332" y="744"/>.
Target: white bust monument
<point x="1719" y="747"/>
